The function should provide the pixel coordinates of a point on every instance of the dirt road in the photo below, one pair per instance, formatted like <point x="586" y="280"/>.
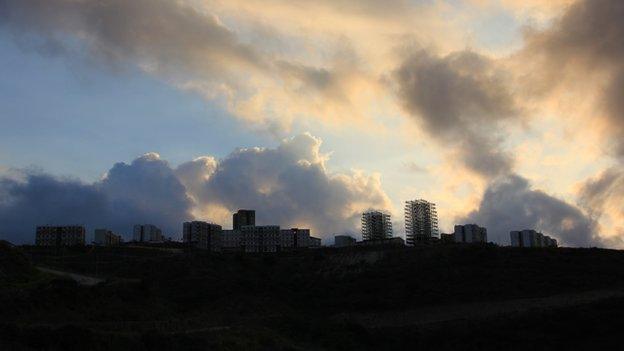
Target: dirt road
<point x="81" y="279"/>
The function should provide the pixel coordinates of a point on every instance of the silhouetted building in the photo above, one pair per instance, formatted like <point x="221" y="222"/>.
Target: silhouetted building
<point x="376" y="225"/>
<point x="446" y="238"/>
<point x="531" y="238"/>
<point x="343" y="240"/>
<point x="147" y="233"/>
<point x="243" y="218"/>
<point x="396" y="241"/>
<point x="232" y="240"/>
<point x="105" y="237"/>
<point x="203" y="235"/>
<point x="265" y="238"/>
<point x="549" y="242"/>
<point x="421" y="221"/>
<point x="470" y="233"/>
<point x="294" y="238"/>
<point x="73" y="235"/>
<point x="315" y="243"/>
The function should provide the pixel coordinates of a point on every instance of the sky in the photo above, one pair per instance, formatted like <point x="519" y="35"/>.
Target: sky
<point x="504" y="113"/>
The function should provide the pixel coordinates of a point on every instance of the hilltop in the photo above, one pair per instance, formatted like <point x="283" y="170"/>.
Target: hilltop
<point x="316" y="299"/>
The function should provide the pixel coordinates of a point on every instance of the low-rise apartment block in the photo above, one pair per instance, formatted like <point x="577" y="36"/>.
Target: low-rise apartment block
<point x="204" y="235"/>
<point x="315" y="243"/>
<point x="265" y="238"/>
<point x="470" y="234"/>
<point x="294" y="239"/>
<point x="105" y="237"/>
<point x="395" y="241"/>
<point x="344" y="241"/>
<point x="531" y="238"/>
<point x="147" y="233"/>
<point x="73" y="235"/>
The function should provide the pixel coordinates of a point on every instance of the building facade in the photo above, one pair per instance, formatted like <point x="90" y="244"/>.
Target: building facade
<point x="421" y="222"/>
<point x="470" y="233"/>
<point x="343" y="241"/>
<point x="266" y="238"/>
<point x="105" y="237"/>
<point x="396" y="241"/>
<point x="60" y="236"/>
<point x="243" y="218"/>
<point x="315" y="243"/>
<point x="294" y="239"/>
<point x="531" y="238"/>
<point x="447" y="238"/>
<point x="147" y="233"/>
<point x="232" y="240"/>
<point x="204" y="235"/>
<point x="376" y="225"/>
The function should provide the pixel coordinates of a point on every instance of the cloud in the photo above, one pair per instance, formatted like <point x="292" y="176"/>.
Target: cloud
<point x="582" y="53"/>
<point x="509" y="203"/>
<point x="160" y="34"/>
<point x="460" y="100"/>
<point x="145" y="191"/>
<point x="601" y="197"/>
<point x="414" y="167"/>
<point x="188" y="45"/>
<point x="288" y="185"/>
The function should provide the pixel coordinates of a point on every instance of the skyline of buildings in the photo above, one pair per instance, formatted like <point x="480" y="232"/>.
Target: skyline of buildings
<point x="421" y="226"/>
<point x="246" y="236"/>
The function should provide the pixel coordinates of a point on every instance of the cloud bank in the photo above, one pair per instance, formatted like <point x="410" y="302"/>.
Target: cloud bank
<point x="145" y="191"/>
<point x="188" y="45"/>
<point x="288" y="185"/>
<point x="510" y="203"/>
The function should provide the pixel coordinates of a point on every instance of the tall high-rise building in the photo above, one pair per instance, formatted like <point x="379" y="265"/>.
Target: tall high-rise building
<point x="242" y="218"/>
<point x="376" y="225"/>
<point x="147" y="233"/>
<point x="421" y="221"/>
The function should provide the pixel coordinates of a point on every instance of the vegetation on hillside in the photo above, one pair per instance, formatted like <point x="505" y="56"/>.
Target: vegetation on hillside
<point x="156" y="299"/>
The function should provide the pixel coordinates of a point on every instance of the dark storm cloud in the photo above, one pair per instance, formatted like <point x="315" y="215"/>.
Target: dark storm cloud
<point x="585" y="42"/>
<point x="509" y="204"/>
<point x="459" y="99"/>
<point x="146" y="191"/>
<point x="288" y="185"/>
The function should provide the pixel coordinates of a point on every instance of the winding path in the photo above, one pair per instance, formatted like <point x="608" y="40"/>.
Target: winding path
<point x="79" y="278"/>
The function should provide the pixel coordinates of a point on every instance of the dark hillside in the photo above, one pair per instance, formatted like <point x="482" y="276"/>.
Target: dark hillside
<point x="291" y="300"/>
